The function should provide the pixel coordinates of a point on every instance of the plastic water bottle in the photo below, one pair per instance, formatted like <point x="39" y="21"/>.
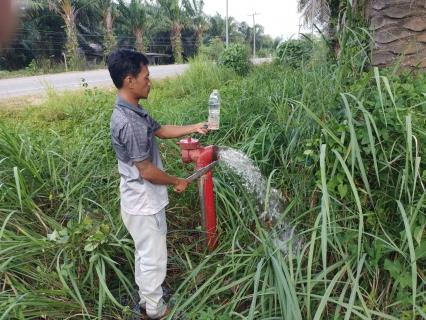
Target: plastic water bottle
<point x="214" y="110"/>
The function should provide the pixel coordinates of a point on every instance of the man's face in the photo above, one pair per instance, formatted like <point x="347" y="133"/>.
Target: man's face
<point x="142" y="84"/>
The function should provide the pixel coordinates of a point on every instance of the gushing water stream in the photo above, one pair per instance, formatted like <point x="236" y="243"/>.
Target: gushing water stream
<point x="268" y="207"/>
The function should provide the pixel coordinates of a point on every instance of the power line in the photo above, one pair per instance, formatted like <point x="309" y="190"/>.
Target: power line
<point x="63" y="35"/>
<point x="82" y="34"/>
<point x="153" y="42"/>
<point x="129" y="46"/>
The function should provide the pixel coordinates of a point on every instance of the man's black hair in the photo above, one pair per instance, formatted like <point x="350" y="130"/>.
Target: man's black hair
<point x="123" y="63"/>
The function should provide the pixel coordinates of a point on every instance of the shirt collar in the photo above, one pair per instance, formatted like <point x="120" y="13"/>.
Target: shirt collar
<point x="121" y="102"/>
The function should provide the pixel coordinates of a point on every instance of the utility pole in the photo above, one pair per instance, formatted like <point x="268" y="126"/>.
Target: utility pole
<point x="226" y="24"/>
<point x="254" y="34"/>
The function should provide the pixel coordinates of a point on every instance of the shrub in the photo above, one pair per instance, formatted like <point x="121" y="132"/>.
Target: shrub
<point x="214" y="49"/>
<point x="294" y="52"/>
<point x="32" y="68"/>
<point x="264" y="53"/>
<point x="236" y="58"/>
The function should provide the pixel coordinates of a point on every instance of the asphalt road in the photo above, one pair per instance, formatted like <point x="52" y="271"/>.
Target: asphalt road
<point x="31" y="85"/>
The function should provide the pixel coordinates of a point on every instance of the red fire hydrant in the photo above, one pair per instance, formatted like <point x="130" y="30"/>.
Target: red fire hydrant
<point x="203" y="156"/>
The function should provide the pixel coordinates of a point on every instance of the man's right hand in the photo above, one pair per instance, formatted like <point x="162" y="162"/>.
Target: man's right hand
<point x="181" y="185"/>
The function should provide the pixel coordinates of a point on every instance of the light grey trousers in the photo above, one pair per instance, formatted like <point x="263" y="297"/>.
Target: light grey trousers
<point x="149" y="234"/>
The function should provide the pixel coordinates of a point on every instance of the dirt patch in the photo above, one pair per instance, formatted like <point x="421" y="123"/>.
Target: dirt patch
<point x="23" y="101"/>
<point x="38" y="99"/>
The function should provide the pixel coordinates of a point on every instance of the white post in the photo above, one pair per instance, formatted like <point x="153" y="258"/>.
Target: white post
<point x="65" y="60"/>
<point x="226" y="24"/>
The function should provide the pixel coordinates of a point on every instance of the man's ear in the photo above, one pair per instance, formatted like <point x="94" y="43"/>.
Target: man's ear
<point x="128" y="82"/>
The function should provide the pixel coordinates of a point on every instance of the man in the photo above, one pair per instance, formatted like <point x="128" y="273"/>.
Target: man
<point x="143" y="185"/>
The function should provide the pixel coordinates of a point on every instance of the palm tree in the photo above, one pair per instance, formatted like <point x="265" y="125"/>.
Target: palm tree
<point x="32" y="4"/>
<point x="109" y="14"/>
<point x="137" y="19"/>
<point x="277" y="42"/>
<point x="399" y="31"/>
<point x="218" y="27"/>
<point x="316" y="12"/>
<point x="246" y="31"/>
<point x="68" y="10"/>
<point x="171" y="16"/>
<point x="198" y="18"/>
<point x="399" y="27"/>
<point x="260" y="36"/>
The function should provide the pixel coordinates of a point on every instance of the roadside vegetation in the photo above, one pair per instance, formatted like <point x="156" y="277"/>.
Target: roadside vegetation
<point x="68" y="35"/>
<point x="43" y="67"/>
<point x="342" y="141"/>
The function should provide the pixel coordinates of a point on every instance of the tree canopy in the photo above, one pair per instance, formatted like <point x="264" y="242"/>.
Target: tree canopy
<point x="77" y="31"/>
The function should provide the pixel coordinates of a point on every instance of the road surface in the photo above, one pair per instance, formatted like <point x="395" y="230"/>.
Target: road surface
<point x="31" y="85"/>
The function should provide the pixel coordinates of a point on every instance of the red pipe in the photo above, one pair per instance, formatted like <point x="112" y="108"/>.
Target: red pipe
<point x="203" y="156"/>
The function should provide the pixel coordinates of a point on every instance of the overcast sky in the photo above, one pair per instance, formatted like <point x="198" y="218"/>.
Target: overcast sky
<point x="278" y="17"/>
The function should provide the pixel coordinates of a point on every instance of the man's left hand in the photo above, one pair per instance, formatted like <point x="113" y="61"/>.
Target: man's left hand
<point x="202" y="128"/>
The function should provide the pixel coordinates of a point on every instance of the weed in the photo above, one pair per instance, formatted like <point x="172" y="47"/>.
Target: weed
<point x="32" y="68"/>
<point x="235" y="57"/>
<point x="294" y="53"/>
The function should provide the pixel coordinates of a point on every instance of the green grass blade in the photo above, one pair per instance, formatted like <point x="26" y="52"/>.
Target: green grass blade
<point x="330" y="288"/>
<point x="412" y="256"/>
<point x="325" y="207"/>
<point x="255" y="292"/>
<point x="357" y="199"/>
<point x="348" y="312"/>
<point x="318" y="120"/>
<point x="310" y="266"/>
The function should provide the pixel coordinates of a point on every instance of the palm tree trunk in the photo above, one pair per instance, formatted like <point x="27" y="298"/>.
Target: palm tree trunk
<point x="176" y="41"/>
<point x="399" y="29"/>
<point x="109" y="39"/>
<point x="108" y="20"/>
<point x="199" y="36"/>
<point x="69" y="14"/>
<point x="139" y="40"/>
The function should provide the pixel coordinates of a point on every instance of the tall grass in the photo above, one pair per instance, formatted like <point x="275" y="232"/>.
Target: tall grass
<point x="348" y="162"/>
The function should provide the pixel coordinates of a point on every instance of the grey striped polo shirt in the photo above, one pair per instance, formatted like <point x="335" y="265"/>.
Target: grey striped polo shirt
<point x="132" y="134"/>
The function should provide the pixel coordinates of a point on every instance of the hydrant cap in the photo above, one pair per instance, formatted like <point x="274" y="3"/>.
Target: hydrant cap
<point x="188" y="143"/>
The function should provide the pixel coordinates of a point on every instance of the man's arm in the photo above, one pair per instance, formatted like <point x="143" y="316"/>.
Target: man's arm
<point x="155" y="175"/>
<point x="168" y="132"/>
